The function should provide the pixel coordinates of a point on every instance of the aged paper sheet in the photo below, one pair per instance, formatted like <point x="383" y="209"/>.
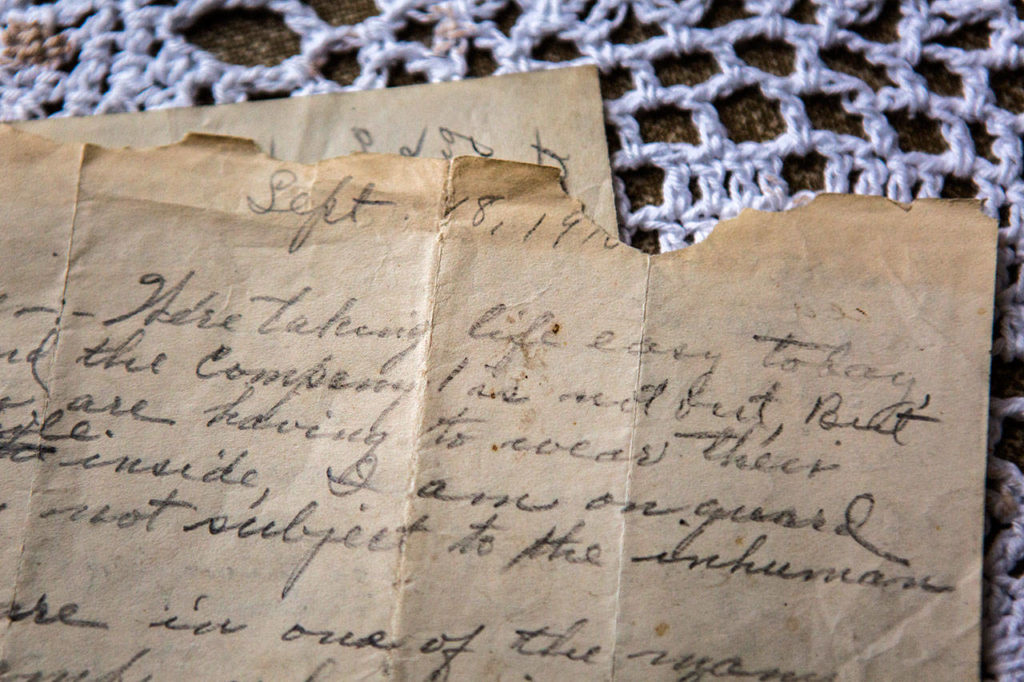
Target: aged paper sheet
<point x="552" y="117"/>
<point x="412" y="419"/>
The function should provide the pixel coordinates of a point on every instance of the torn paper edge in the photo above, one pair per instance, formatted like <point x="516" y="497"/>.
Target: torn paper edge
<point x="726" y="231"/>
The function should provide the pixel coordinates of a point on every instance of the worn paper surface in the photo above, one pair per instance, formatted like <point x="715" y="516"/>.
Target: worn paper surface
<point x="551" y="117"/>
<point x="419" y="420"/>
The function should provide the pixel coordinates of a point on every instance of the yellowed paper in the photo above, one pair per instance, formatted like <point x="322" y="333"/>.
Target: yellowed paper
<point x="554" y="118"/>
<point x="38" y="186"/>
<point x="386" y="418"/>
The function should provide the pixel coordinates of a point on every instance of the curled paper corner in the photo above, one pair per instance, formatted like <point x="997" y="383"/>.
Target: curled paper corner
<point x="568" y="222"/>
<point x="218" y="142"/>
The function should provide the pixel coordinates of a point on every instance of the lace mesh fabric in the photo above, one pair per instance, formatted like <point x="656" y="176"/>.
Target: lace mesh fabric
<point x="711" y="107"/>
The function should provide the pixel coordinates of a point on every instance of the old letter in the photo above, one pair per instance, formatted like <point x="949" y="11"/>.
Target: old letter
<point x="414" y="419"/>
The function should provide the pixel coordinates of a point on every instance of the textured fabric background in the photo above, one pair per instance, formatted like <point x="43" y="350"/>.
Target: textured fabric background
<point x="711" y="106"/>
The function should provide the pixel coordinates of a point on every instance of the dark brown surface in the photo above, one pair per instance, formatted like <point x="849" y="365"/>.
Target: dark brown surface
<point x="242" y="36"/>
<point x="343" y="12"/>
<point x="1007" y="382"/>
<point x="687" y="69"/>
<point x="667" y="124"/>
<point x="750" y="116"/>
<point x="773" y="56"/>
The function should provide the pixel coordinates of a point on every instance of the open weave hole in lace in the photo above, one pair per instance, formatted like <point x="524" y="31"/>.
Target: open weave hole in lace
<point x="711" y="107"/>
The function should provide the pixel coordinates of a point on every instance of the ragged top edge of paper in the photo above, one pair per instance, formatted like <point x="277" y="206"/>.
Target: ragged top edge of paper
<point x="722" y="236"/>
<point x="547" y="177"/>
<point x="846" y="207"/>
<point x="964" y="215"/>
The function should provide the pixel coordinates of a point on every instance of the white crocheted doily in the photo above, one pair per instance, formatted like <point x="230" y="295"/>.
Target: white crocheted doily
<point x="871" y="65"/>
